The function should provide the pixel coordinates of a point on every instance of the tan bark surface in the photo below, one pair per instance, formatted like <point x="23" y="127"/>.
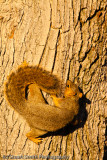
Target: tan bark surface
<point x="67" y="37"/>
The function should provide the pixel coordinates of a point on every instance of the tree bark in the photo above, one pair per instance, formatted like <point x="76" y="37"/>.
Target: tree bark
<point x="68" y="38"/>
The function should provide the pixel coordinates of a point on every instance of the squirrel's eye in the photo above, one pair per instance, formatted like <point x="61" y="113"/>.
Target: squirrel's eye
<point x="68" y="85"/>
<point x="75" y="93"/>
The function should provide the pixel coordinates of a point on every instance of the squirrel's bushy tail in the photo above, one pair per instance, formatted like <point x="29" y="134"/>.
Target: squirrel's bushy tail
<point x="15" y="86"/>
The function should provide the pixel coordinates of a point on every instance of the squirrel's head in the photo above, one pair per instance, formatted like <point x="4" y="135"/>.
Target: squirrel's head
<point x="72" y="90"/>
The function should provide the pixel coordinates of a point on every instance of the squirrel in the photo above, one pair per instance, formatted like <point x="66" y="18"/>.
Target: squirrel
<point x="23" y="92"/>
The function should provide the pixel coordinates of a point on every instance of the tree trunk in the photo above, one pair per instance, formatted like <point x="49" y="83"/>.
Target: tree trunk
<point x="69" y="39"/>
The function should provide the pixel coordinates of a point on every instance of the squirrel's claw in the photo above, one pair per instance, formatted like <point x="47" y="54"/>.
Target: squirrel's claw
<point x="36" y="140"/>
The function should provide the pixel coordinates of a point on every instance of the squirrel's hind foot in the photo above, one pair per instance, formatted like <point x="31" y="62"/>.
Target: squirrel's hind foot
<point x="34" y="135"/>
<point x="36" y="140"/>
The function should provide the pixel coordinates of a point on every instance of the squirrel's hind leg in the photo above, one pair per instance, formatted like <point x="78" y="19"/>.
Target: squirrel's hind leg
<point x="34" y="134"/>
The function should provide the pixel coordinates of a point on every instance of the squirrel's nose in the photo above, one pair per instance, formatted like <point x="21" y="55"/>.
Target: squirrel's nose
<point x="80" y="95"/>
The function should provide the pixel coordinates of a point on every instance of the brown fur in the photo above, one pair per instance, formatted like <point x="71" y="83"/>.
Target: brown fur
<point x="40" y="116"/>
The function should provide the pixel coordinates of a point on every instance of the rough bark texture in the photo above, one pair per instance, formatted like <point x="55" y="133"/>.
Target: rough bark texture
<point x="67" y="37"/>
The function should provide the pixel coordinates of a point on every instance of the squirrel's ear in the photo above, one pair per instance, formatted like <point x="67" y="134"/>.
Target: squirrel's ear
<point x="68" y="83"/>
